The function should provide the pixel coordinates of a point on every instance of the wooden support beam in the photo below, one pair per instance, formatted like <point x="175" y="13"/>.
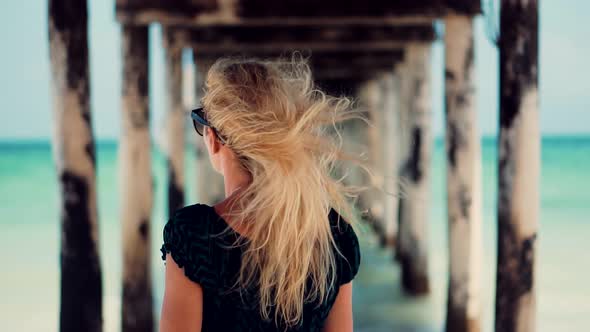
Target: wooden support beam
<point x="415" y="171"/>
<point x="390" y="104"/>
<point x="136" y="182"/>
<point x="403" y="137"/>
<point x="74" y="156"/>
<point x="260" y="39"/>
<point x="352" y="57"/>
<point x="294" y="12"/>
<point x="174" y="119"/>
<point x="378" y="96"/>
<point x="286" y="47"/>
<point x="333" y="66"/>
<point x="370" y="201"/>
<point x="463" y="178"/>
<point x="210" y="186"/>
<point x="518" y="167"/>
<point x="340" y="73"/>
<point x="403" y="146"/>
<point x="354" y="143"/>
<point x="339" y="86"/>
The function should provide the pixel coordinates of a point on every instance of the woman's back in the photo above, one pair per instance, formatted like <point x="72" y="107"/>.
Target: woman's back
<point x="201" y="242"/>
<point x="274" y="137"/>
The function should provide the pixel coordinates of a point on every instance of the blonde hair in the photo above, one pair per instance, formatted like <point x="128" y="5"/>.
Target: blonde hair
<point x="283" y="130"/>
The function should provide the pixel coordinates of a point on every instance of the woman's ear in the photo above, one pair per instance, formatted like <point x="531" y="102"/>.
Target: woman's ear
<point x="213" y="140"/>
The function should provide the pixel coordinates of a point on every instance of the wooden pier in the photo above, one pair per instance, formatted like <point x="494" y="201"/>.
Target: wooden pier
<point x="377" y="51"/>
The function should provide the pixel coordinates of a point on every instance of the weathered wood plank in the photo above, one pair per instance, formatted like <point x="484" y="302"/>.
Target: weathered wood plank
<point x="136" y="182"/>
<point x="74" y="155"/>
<point x="463" y="178"/>
<point x="518" y="167"/>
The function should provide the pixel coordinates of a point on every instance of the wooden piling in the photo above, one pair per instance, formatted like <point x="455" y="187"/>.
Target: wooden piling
<point x="136" y="182"/>
<point x="403" y="139"/>
<point x="518" y="167"/>
<point x="389" y="83"/>
<point x="463" y="178"/>
<point x="174" y="119"/>
<point x="415" y="172"/>
<point x="74" y="155"/>
<point x="210" y="187"/>
<point x="371" y="200"/>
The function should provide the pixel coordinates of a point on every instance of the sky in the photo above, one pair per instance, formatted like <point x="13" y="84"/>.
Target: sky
<point x="26" y="105"/>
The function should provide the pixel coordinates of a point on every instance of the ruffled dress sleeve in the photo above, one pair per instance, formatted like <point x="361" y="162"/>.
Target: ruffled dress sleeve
<point x="348" y="244"/>
<point x="187" y="240"/>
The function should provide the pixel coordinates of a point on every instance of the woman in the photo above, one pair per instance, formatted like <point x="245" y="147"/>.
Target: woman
<point x="274" y="255"/>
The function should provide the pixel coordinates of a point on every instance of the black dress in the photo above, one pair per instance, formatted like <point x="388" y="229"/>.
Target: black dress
<point x="190" y="236"/>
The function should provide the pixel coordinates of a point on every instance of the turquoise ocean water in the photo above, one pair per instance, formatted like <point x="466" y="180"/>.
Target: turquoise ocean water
<point x="29" y="239"/>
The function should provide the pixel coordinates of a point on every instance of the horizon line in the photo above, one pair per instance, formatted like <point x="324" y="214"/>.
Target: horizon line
<point x="435" y="137"/>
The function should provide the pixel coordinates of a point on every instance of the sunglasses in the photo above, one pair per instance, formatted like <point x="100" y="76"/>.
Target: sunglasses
<point x="200" y="122"/>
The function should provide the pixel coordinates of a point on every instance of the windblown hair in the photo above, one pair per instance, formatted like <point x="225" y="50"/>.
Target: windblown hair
<point x="284" y="131"/>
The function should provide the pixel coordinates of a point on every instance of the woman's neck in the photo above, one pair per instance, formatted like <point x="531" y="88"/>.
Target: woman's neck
<point x="234" y="179"/>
